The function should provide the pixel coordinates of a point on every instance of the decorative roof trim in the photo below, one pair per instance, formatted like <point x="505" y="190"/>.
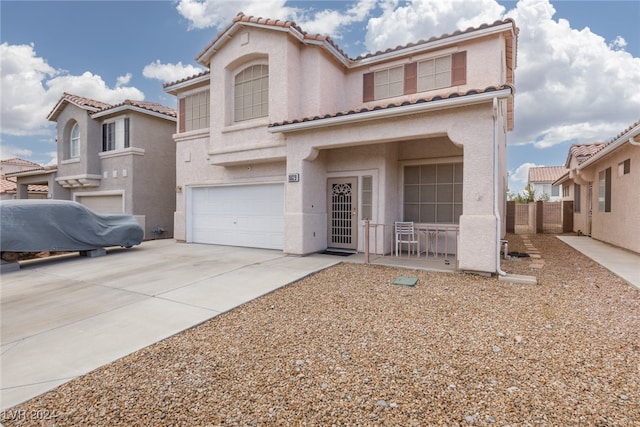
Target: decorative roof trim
<point x="471" y="97"/>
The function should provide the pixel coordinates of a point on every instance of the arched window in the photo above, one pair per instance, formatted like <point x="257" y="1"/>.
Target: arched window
<point x="74" y="142"/>
<point x="251" y="93"/>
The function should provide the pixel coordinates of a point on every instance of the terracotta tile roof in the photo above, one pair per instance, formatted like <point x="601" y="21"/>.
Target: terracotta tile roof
<point x="9" y="186"/>
<point x="186" y="79"/>
<point x="392" y="105"/>
<point x="151" y="106"/>
<point x="242" y="18"/>
<point x="637" y="123"/>
<point x="582" y="152"/>
<point x="15" y="161"/>
<point x="546" y="173"/>
<point x="98" y="106"/>
<point x="442" y="37"/>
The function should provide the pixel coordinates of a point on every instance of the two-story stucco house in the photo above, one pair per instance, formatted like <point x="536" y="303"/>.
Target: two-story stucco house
<point x="285" y="142"/>
<point x="118" y="159"/>
<point x="603" y="181"/>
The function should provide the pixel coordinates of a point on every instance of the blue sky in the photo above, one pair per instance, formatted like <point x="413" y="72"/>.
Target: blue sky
<point x="577" y="78"/>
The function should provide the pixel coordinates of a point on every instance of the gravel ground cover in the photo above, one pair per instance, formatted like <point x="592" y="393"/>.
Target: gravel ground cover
<point x="346" y="347"/>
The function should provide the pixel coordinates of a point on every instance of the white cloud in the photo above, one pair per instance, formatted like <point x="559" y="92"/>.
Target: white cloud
<point x="332" y="21"/>
<point x="618" y="44"/>
<point x="31" y="87"/>
<point x="518" y="178"/>
<point x="421" y="19"/>
<point x="169" y="72"/>
<point x="10" y="151"/>
<point x="123" y="80"/>
<point x="216" y="13"/>
<point x="570" y="85"/>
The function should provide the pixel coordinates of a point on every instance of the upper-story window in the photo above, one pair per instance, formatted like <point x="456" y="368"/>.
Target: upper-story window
<point x="74" y="142"/>
<point x="434" y="73"/>
<point x="389" y="82"/>
<point x="251" y="93"/>
<point x="413" y="77"/>
<point x="115" y="135"/>
<point x="194" y="111"/>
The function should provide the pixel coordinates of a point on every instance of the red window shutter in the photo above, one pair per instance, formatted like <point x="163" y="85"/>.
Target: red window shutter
<point x="411" y="78"/>
<point x="181" y="115"/>
<point x="459" y="68"/>
<point x="367" y="87"/>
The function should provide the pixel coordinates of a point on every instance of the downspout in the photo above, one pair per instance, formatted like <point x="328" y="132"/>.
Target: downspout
<point x="496" y="177"/>
<point x="632" y="141"/>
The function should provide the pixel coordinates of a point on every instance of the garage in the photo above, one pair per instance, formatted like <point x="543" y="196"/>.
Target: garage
<point x="107" y="203"/>
<point x="239" y="215"/>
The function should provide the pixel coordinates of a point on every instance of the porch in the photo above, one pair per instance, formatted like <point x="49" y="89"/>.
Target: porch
<point x="433" y="247"/>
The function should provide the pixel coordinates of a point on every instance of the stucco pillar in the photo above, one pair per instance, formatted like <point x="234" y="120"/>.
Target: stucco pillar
<point x="477" y="240"/>
<point x="305" y="202"/>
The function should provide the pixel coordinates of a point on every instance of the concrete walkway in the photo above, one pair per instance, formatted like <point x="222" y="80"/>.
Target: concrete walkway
<point x="622" y="263"/>
<point x="66" y="316"/>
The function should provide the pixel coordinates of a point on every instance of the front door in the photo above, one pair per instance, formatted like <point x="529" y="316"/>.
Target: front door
<point x="343" y="218"/>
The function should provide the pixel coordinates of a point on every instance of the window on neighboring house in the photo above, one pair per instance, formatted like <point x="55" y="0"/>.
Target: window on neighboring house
<point x="435" y="73"/>
<point x="251" y="93"/>
<point x="388" y="82"/>
<point x="565" y="190"/>
<point x="433" y="193"/>
<point x="367" y="197"/>
<point x="624" y="167"/>
<point x="576" y="198"/>
<point x="604" y="190"/>
<point x="74" y="142"/>
<point x="194" y="112"/>
<point x="555" y="191"/>
<point x="115" y="135"/>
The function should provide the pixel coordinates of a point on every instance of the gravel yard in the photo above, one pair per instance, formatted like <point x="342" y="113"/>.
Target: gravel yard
<point x="345" y="347"/>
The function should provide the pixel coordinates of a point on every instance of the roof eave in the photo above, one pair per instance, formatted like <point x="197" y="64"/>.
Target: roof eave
<point x="123" y="108"/>
<point x="622" y="139"/>
<point x="437" y="44"/>
<point x="174" y="89"/>
<point x="466" y="100"/>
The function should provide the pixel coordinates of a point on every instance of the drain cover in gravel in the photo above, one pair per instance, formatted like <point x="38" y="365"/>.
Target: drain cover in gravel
<point x="406" y="281"/>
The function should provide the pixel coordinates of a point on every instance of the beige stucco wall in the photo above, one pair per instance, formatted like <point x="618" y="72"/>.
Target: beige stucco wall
<point x="88" y="162"/>
<point x="621" y="226"/>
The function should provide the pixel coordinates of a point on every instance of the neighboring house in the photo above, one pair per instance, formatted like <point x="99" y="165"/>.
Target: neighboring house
<point x="117" y="159"/>
<point x="9" y="189"/>
<point x="541" y="179"/>
<point x="287" y="143"/>
<point x="603" y="182"/>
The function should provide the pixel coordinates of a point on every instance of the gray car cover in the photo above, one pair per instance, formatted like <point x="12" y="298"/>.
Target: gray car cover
<point x="62" y="225"/>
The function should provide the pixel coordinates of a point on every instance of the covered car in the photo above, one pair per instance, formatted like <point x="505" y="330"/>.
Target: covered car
<point x="62" y="225"/>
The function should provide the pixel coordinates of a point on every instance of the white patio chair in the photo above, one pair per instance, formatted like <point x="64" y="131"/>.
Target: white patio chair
<point x="405" y="234"/>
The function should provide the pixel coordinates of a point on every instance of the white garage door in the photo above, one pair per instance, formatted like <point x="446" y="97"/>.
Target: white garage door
<point x="246" y="215"/>
<point x="106" y="204"/>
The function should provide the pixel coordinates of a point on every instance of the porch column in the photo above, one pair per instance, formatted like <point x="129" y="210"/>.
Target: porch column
<point x="477" y="241"/>
<point x="305" y="201"/>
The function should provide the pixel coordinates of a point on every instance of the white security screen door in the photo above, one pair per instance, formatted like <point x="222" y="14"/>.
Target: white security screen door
<point x="343" y="218"/>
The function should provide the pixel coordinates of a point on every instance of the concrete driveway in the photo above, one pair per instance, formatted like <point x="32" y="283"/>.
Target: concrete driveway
<point x="66" y="316"/>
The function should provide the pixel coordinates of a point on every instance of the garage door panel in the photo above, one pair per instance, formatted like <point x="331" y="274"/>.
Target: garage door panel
<point x="249" y="215"/>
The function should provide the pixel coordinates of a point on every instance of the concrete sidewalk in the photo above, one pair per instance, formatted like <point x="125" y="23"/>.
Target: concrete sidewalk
<point x="622" y="263"/>
<point x="66" y="316"/>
